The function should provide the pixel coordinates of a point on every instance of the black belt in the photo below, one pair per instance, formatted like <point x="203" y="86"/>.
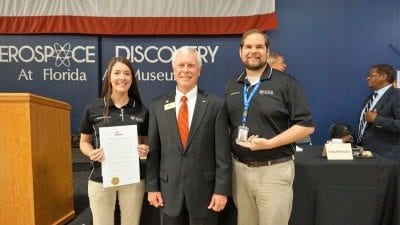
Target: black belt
<point x="265" y="163"/>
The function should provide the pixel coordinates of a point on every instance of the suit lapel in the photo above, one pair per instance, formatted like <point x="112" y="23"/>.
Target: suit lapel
<point x="384" y="99"/>
<point x="171" y="118"/>
<point x="199" y="111"/>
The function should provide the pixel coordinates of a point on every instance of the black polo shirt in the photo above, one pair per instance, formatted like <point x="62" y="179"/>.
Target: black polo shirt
<point x="130" y="114"/>
<point x="278" y="104"/>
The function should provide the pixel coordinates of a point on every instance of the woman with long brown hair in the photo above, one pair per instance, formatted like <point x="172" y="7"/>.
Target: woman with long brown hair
<point x="119" y="104"/>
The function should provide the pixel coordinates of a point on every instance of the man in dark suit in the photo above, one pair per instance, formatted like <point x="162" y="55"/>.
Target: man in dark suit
<point x="188" y="177"/>
<point x="380" y="132"/>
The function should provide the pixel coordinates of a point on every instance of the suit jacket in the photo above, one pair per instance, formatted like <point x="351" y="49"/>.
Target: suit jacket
<point x="203" y="169"/>
<point x="383" y="135"/>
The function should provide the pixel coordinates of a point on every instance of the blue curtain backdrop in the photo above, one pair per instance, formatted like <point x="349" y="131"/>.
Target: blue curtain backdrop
<point x="329" y="46"/>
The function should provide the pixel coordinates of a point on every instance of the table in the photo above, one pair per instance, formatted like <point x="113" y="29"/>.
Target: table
<point x="332" y="192"/>
<point x="349" y="192"/>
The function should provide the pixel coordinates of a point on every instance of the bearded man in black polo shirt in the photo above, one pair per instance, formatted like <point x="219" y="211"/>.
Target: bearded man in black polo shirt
<point x="268" y="113"/>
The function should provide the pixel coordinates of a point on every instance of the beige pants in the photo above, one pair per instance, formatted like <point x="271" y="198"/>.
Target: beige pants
<point x="263" y="195"/>
<point x="102" y="203"/>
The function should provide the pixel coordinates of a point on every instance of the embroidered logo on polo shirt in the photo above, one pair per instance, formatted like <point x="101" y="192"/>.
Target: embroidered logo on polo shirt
<point x="135" y="118"/>
<point x="266" y="92"/>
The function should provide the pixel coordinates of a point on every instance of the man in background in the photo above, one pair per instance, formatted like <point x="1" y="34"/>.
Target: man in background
<point x="379" y="125"/>
<point x="276" y="61"/>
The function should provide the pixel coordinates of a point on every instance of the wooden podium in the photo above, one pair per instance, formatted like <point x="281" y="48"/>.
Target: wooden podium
<point x="35" y="160"/>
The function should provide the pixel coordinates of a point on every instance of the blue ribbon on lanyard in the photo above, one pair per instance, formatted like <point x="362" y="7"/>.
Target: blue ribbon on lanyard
<point x="247" y="99"/>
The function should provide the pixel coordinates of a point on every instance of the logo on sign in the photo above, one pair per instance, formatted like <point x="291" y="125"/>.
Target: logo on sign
<point x="62" y="54"/>
<point x="59" y="59"/>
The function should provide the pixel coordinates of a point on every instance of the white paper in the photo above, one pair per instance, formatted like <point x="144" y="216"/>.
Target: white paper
<point x="121" y="165"/>
<point x="338" y="151"/>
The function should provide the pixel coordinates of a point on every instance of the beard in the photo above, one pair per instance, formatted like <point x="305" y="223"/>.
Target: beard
<point x="254" y="67"/>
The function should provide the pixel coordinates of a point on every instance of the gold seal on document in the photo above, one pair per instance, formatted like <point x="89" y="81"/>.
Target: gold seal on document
<point x="115" y="180"/>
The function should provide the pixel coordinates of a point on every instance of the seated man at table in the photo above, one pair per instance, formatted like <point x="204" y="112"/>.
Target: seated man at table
<point x="341" y="131"/>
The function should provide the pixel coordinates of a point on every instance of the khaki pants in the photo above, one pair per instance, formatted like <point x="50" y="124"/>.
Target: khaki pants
<point x="263" y="195"/>
<point x="102" y="203"/>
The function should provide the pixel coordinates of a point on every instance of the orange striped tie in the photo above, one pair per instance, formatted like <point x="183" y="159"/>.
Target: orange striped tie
<point x="183" y="122"/>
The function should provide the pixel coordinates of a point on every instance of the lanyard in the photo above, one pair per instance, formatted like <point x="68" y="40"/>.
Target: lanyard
<point x="247" y="99"/>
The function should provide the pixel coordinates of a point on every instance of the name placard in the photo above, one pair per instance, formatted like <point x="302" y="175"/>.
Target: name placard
<point x="338" y="151"/>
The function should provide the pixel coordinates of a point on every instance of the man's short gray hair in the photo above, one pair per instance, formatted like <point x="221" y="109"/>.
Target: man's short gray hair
<point x="186" y="49"/>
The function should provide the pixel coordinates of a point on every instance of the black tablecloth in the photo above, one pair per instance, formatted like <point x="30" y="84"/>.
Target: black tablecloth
<point x="350" y="192"/>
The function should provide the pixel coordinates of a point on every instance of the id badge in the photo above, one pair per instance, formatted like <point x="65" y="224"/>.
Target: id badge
<point x="243" y="132"/>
